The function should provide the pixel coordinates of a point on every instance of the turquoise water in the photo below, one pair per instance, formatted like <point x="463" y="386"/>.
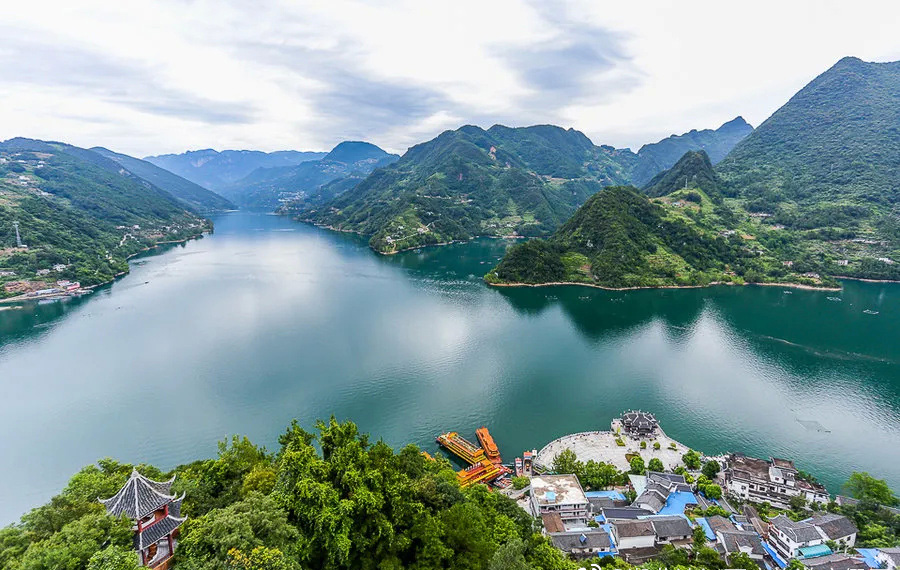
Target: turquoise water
<point x="269" y="320"/>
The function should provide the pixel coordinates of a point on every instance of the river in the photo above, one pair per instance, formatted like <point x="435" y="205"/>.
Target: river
<point x="269" y="320"/>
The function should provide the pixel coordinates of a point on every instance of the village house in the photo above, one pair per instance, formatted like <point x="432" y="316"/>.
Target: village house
<point x="835" y="562"/>
<point x="834" y="527"/>
<point x="789" y="537"/>
<point x="632" y="534"/>
<point x="740" y="541"/>
<point x="560" y="494"/>
<point x="774" y="481"/>
<point x="588" y="543"/>
<point x="889" y="558"/>
<point x="671" y="529"/>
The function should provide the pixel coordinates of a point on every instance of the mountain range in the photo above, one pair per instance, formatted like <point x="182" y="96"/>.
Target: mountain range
<point x="216" y="170"/>
<point x="269" y="187"/>
<point x="501" y="181"/>
<point x="812" y="193"/>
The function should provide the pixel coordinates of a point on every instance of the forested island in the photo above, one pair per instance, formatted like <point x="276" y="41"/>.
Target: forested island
<point x="336" y="499"/>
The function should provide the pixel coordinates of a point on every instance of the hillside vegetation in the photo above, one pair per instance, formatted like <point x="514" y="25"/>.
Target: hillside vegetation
<point x="192" y="196"/>
<point x="622" y="239"/>
<point x="471" y="182"/>
<point x="79" y="209"/>
<point x="822" y="174"/>
<point x="717" y="143"/>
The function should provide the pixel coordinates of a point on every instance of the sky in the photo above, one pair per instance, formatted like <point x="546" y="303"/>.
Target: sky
<point x="173" y="75"/>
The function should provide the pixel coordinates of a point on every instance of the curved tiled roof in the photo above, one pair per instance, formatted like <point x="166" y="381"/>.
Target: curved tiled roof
<point x="139" y="497"/>
<point x="156" y="531"/>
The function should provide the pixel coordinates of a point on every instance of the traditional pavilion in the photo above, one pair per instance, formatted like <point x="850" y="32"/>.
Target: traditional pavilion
<point x="639" y="424"/>
<point x="157" y="516"/>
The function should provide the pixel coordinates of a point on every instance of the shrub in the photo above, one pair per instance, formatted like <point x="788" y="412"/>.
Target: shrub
<point x="520" y="483"/>
<point x="643" y="445"/>
<point x="656" y="445"/>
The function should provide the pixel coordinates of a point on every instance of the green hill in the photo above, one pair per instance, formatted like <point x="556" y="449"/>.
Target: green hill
<point x="471" y="181"/>
<point x="659" y="156"/>
<point x="80" y="209"/>
<point x="191" y="195"/>
<point x="693" y="170"/>
<point x="824" y="170"/>
<point x="620" y="239"/>
<point x="297" y="186"/>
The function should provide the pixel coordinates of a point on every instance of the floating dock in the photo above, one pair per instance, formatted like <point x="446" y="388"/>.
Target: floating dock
<point x="461" y="447"/>
<point x="482" y="472"/>
<point x="487" y="443"/>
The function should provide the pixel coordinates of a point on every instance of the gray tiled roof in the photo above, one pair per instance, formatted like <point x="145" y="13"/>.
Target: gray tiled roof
<point x="671" y="527"/>
<point x="834" y="526"/>
<point x="653" y="498"/>
<point x="718" y="522"/>
<point x="734" y="540"/>
<point x="622" y="513"/>
<point x="572" y="540"/>
<point x="800" y="532"/>
<point x="139" y="497"/>
<point x="153" y="533"/>
<point x="634" y="528"/>
<point x="835" y="562"/>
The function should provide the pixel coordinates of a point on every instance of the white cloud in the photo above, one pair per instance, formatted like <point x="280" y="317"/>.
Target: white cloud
<point x="146" y="78"/>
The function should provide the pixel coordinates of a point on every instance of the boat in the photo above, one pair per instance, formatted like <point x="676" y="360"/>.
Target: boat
<point x="518" y="466"/>
<point x="487" y="443"/>
<point x="870" y="312"/>
<point x="833" y="298"/>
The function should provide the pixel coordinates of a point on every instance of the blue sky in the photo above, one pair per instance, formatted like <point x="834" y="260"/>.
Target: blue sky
<point x="167" y="76"/>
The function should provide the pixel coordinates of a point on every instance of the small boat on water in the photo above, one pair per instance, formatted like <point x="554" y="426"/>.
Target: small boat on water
<point x="833" y="298"/>
<point x="518" y="466"/>
<point x="870" y="312"/>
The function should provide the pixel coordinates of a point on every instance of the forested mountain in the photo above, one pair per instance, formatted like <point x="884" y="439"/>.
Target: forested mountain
<point x="717" y="143"/>
<point x="471" y="181"/>
<point x="80" y="209"/>
<point x="824" y="170"/>
<point x="191" y="195"/>
<point x="693" y="170"/>
<point x="620" y="238"/>
<point x="215" y="170"/>
<point x="269" y="188"/>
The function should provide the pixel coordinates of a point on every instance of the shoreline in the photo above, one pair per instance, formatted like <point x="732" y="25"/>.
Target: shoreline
<point x="867" y="280"/>
<point x="90" y="288"/>
<point x="713" y="284"/>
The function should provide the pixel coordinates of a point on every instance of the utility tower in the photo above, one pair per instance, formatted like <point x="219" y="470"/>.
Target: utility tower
<point x="18" y="237"/>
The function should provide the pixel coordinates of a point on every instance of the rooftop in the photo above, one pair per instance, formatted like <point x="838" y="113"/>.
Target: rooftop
<point x="626" y="528"/>
<point x="799" y="532"/>
<point x="835" y="562"/>
<point x="557" y="490"/>
<point x="587" y="539"/>
<point x="139" y="497"/>
<point x="553" y="523"/>
<point x="742" y="540"/>
<point x="833" y="526"/>
<point x="671" y="526"/>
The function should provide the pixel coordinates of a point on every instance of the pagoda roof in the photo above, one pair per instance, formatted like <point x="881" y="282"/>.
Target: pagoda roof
<point x="139" y="497"/>
<point x="156" y="531"/>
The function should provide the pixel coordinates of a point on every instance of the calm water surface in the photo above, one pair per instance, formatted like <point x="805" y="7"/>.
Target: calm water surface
<point x="269" y="320"/>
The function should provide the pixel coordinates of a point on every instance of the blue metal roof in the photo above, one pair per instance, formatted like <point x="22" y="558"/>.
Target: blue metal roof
<point x="814" y="551"/>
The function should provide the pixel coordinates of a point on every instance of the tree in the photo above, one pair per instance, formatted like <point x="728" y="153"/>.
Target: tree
<point x="260" y="558"/>
<point x="256" y="521"/>
<point x="742" y="560"/>
<point x="567" y="462"/>
<point x="656" y="464"/>
<point x="712" y="491"/>
<point x="864" y="487"/>
<point x="709" y="558"/>
<point x="691" y="460"/>
<point x="520" y="483"/>
<point x="711" y="469"/>
<point x="797" y="502"/>
<point x="699" y="536"/>
<point x="114" y="558"/>
<point x="510" y="556"/>
<point x="637" y="465"/>
<point x="599" y="475"/>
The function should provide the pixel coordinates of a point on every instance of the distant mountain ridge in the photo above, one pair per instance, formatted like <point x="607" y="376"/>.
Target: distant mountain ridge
<point x="270" y="188"/>
<point x="192" y="195"/>
<point x="215" y="170"/>
<point x="717" y="143"/>
<point x="472" y="181"/>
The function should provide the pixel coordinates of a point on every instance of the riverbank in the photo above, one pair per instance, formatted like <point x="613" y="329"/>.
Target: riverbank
<point x="713" y="284"/>
<point x="89" y="288"/>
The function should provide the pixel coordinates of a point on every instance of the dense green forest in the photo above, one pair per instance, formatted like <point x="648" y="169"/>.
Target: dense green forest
<point x="75" y="208"/>
<point x="620" y="238"/>
<point x="293" y="188"/>
<point x="334" y="499"/>
<point x="192" y="196"/>
<point x="825" y="168"/>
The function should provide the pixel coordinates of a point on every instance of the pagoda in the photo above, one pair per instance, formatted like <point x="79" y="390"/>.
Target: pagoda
<point x="157" y="517"/>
